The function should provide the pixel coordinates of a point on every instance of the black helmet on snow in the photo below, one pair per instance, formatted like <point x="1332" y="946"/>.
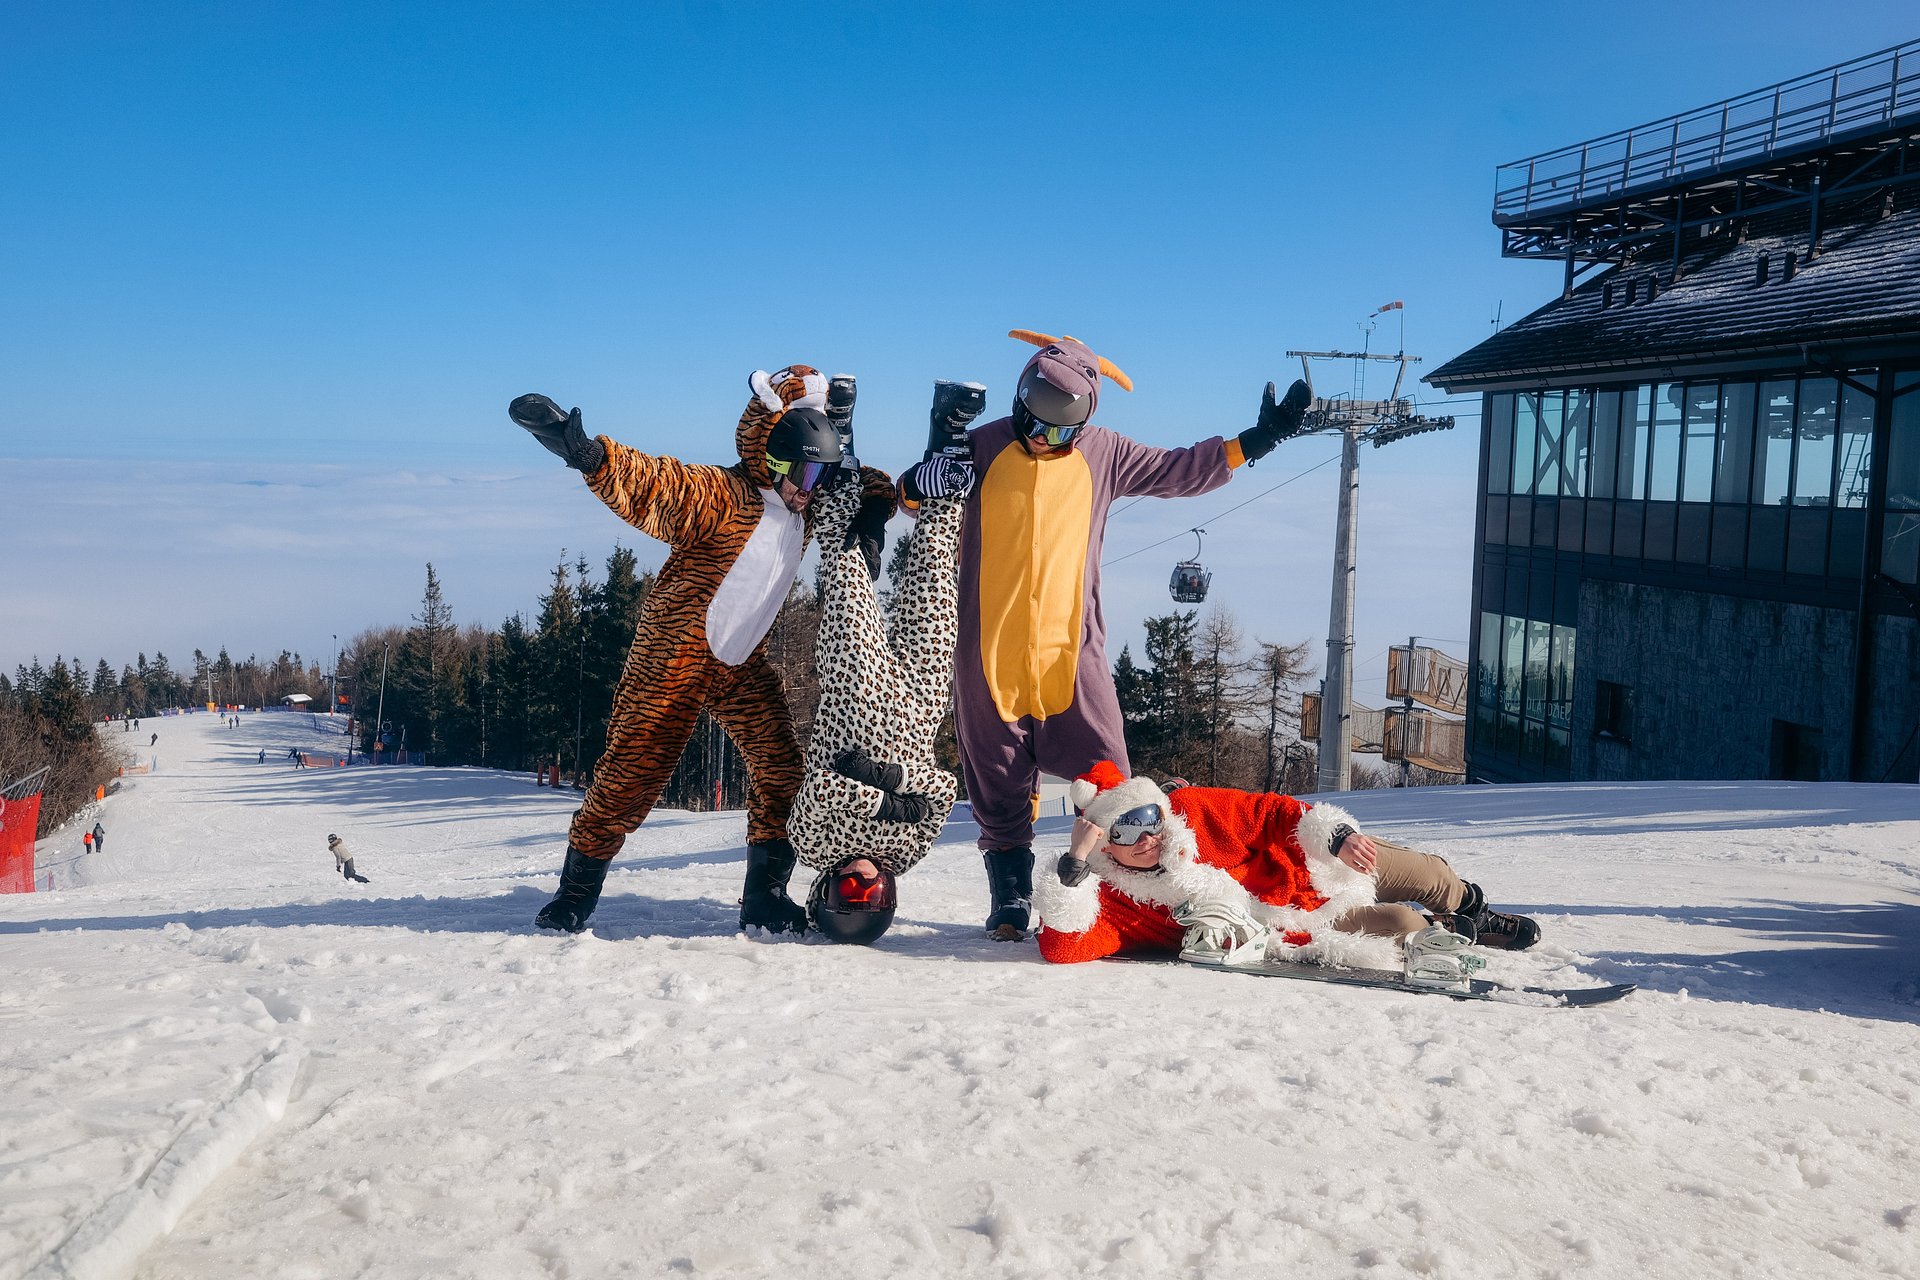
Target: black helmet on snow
<point x="852" y="908"/>
<point x="805" y="449"/>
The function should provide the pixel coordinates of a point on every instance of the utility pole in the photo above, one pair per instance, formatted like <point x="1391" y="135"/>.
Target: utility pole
<point x="1378" y="422"/>
<point x="380" y="715"/>
<point x="333" y="680"/>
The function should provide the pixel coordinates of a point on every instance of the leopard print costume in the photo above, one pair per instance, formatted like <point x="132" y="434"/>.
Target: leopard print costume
<point x="885" y="685"/>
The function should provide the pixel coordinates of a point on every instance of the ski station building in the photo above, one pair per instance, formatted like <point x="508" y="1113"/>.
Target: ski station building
<point x="1698" y="539"/>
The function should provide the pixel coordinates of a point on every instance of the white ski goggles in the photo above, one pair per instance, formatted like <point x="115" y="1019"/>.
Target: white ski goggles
<point x="1136" y="824"/>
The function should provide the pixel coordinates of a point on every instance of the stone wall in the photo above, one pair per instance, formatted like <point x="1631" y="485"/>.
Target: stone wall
<point x="1711" y="673"/>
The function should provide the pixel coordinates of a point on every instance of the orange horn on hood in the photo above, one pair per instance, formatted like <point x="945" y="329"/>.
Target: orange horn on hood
<point x="1107" y="367"/>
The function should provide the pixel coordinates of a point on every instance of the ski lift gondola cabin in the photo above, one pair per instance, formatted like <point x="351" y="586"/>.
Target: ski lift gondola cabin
<point x="1191" y="579"/>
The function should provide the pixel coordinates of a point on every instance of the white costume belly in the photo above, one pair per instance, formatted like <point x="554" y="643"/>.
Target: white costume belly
<point x="749" y="599"/>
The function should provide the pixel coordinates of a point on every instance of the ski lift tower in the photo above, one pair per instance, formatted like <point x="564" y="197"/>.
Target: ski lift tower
<point x="1377" y="422"/>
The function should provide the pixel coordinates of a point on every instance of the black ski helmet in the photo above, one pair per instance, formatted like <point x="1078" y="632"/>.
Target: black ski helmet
<point x="852" y="908"/>
<point x="1042" y="409"/>
<point x="804" y="448"/>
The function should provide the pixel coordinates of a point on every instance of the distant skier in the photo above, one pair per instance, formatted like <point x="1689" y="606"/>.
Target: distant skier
<point x="99" y="838"/>
<point x="86" y="842"/>
<point x="343" y="861"/>
<point x="263" y="755"/>
<point x="299" y="760"/>
<point x="1211" y="868"/>
<point x="154" y="740"/>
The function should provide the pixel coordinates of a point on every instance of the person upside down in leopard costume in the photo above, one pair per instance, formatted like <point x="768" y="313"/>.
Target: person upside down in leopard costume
<point x="872" y="800"/>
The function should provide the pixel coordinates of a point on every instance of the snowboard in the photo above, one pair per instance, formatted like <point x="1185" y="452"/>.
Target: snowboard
<point x="1389" y="980"/>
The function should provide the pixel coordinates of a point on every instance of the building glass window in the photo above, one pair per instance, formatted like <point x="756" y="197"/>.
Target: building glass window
<point x="1733" y="477"/>
<point x="1560" y="679"/>
<point x="1701" y="423"/>
<point x="1612" y="711"/>
<point x="1500" y="444"/>
<point x="1606" y="443"/>
<point x="1636" y="424"/>
<point x="1773" y="442"/>
<point x="1576" y="444"/>
<point x="1813" y="463"/>
<point x="1526" y="436"/>
<point x="1539" y="643"/>
<point x="1514" y="663"/>
<point x="1856" y="448"/>
<point x="1900" y="540"/>
<point x="1549" y="462"/>
<point x="1663" y="479"/>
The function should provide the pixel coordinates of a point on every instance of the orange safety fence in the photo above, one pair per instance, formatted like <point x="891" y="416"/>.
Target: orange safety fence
<point x="18" y="821"/>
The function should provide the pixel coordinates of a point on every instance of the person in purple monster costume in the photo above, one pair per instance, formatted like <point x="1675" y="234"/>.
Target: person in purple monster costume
<point x="1032" y="687"/>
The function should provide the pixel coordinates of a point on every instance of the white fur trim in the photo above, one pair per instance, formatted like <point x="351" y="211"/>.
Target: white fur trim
<point x="816" y="393"/>
<point x="1082" y="793"/>
<point x="762" y="386"/>
<point x="1064" y="908"/>
<point x="1103" y="808"/>
<point x="1316" y="828"/>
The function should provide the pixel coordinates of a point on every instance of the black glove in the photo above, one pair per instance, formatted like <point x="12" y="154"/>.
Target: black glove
<point x="908" y="807"/>
<point x="1277" y="421"/>
<point x="861" y="767"/>
<point x="560" y="433"/>
<point x="868" y="530"/>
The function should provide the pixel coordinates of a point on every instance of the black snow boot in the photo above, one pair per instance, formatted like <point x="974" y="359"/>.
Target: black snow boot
<point x="955" y="406"/>
<point x="764" y="903"/>
<point x="580" y="881"/>
<point x="1481" y="924"/>
<point x="1010" y="881"/>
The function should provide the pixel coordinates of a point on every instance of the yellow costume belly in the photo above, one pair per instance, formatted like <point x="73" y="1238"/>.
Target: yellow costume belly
<point x="1036" y="517"/>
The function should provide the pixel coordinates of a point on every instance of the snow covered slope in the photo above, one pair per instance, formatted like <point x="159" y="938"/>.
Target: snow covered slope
<point x="220" y="1060"/>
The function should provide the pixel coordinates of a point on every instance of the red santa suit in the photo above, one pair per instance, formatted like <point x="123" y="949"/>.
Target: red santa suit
<point x="1268" y="855"/>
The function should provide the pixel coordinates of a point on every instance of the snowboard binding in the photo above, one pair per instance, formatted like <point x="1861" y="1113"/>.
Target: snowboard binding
<point x="1439" y="958"/>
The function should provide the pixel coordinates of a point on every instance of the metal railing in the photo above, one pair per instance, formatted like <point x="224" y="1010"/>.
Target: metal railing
<point x="1878" y="91"/>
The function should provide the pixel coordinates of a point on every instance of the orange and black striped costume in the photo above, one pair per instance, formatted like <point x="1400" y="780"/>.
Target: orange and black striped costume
<point x="701" y="642"/>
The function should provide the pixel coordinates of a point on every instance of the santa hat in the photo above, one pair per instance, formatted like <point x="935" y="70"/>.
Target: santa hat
<point x="1103" y="793"/>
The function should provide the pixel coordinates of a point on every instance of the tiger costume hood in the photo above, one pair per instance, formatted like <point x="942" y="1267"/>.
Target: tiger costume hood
<point x="796" y="386"/>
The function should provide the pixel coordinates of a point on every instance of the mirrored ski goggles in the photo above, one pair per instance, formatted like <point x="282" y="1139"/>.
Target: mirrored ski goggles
<point x="805" y="476"/>
<point x="1048" y="434"/>
<point x="1136" y="824"/>
<point x="855" y="892"/>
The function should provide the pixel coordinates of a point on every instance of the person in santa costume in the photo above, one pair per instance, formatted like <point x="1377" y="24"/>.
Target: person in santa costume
<point x="1144" y="865"/>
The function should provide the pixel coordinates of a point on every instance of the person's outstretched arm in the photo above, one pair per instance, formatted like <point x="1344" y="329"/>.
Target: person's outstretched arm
<point x="662" y="497"/>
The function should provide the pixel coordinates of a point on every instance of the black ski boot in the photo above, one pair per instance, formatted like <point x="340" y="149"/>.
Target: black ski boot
<point x="1010" y="881"/>
<point x="580" y="881"/>
<point x="1481" y="924"/>
<point x="955" y="406"/>
<point x="764" y="903"/>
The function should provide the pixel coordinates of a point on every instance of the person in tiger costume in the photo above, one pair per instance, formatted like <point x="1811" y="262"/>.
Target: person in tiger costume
<point x="737" y="534"/>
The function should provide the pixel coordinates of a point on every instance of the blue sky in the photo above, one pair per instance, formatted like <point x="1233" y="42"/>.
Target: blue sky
<point x="270" y="273"/>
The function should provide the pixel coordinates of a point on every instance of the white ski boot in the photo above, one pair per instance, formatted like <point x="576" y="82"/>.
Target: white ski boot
<point x="1440" y="958"/>
<point x="1221" y="934"/>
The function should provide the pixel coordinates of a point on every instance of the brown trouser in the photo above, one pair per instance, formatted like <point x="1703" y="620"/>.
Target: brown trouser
<point x="1403" y="875"/>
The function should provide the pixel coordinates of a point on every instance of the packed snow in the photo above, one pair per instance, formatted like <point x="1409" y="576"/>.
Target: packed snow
<point x="218" y="1059"/>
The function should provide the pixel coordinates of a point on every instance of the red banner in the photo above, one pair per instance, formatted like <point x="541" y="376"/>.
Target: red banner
<point x="18" y="820"/>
